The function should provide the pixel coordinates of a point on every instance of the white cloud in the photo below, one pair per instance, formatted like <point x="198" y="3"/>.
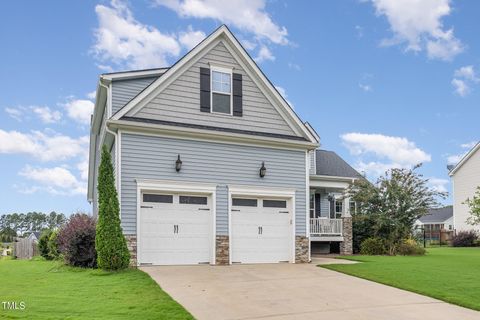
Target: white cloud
<point x="15" y="113"/>
<point x="46" y="114"/>
<point x="469" y="145"/>
<point x="387" y="152"/>
<point x="359" y="30"/>
<point x="438" y="184"/>
<point x="79" y="110"/>
<point x="264" y="54"/>
<point x="125" y="42"/>
<point x="92" y="95"/>
<point x="461" y="87"/>
<point x="190" y="38"/>
<point x="56" y="180"/>
<point x="44" y="146"/>
<point x="282" y="91"/>
<point x="246" y="15"/>
<point x="467" y="73"/>
<point x="418" y="23"/>
<point x="365" y="87"/>
<point x="455" y="158"/>
<point x="464" y="78"/>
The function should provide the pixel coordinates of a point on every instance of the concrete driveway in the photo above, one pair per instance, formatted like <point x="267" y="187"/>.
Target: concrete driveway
<point x="293" y="291"/>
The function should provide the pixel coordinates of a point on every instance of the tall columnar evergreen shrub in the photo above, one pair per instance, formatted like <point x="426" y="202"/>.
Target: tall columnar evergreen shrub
<point x="112" y="251"/>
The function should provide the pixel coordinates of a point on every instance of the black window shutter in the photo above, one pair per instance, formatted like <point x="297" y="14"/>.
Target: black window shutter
<point x="237" y="95"/>
<point x="205" y="89"/>
<point x="317" y="205"/>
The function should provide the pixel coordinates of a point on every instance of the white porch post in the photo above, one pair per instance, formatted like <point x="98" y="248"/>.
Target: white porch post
<point x="346" y="207"/>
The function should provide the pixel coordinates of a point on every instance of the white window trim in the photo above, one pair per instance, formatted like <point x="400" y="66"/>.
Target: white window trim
<point x="223" y="70"/>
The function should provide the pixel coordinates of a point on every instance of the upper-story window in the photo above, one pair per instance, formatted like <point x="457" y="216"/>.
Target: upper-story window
<point x="221" y="90"/>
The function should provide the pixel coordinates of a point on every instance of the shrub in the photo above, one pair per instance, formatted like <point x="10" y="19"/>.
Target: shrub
<point x="372" y="247"/>
<point x="43" y="243"/>
<point x="362" y="225"/>
<point x="110" y="243"/>
<point x="465" y="239"/>
<point x="410" y="247"/>
<point x="76" y="240"/>
<point x="53" y="250"/>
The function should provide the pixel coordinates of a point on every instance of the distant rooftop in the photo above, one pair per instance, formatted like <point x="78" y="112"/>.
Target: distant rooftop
<point x="438" y="215"/>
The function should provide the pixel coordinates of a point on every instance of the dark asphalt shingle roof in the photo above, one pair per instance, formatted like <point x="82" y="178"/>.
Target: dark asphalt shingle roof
<point x="437" y="215"/>
<point x="205" y="127"/>
<point x="329" y="163"/>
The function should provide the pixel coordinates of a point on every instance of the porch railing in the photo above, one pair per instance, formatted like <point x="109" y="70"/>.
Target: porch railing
<point x="326" y="227"/>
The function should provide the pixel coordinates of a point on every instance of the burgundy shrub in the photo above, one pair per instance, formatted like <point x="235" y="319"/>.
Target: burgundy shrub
<point x="76" y="240"/>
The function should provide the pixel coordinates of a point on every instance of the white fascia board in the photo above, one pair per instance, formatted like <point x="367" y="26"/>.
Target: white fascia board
<point x="207" y="135"/>
<point x="464" y="159"/>
<point x="134" y="74"/>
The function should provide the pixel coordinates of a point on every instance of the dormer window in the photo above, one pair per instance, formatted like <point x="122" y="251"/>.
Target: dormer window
<point x="221" y="90"/>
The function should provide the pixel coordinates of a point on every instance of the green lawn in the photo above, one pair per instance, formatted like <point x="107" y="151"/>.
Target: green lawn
<point x="449" y="274"/>
<point x="53" y="291"/>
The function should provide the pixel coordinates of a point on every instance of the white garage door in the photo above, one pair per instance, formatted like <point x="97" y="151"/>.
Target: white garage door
<point x="261" y="230"/>
<point x="175" y="229"/>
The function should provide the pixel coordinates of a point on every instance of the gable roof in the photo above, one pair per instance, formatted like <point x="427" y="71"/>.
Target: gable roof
<point x="464" y="159"/>
<point x="328" y="163"/>
<point x="224" y="35"/>
<point x="437" y="215"/>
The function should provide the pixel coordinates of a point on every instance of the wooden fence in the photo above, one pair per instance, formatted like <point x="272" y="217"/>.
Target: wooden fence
<point x="25" y="248"/>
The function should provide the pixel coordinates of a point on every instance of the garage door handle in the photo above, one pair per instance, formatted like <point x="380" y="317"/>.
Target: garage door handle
<point x="175" y="228"/>
<point x="260" y="230"/>
<point x="282" y="211"/>
<point x="204" y="209"/>
<point x="146" y="207"/>
<point x="235" y="210"/>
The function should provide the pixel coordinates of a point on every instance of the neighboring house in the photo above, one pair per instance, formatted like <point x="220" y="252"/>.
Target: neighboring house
<point x="436" y="220"/>
<point x="212" y="165"/>
<point x="6" y="249"/>
<point x="465" y="177"/>
<point x="34" y="236"/>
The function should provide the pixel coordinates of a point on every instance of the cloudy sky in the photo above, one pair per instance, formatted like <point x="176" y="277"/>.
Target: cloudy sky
<point x="386" y="83"/>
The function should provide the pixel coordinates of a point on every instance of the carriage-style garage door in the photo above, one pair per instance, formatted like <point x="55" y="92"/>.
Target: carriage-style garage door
<point x="261" y="230"/>
<point x="174" y="228"/>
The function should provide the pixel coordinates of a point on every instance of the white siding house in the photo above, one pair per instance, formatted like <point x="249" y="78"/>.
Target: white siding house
<point x="465" y="180"/>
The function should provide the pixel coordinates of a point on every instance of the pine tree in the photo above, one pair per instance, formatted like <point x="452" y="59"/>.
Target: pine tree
<point x="111" y="246"/>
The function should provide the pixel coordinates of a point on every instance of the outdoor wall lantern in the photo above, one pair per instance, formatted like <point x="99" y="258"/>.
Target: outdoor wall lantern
<point x="178" y="164"/>
<point x="263" y="170"/>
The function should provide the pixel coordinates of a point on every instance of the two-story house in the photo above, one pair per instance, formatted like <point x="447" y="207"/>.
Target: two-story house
<point x="465" y="177"/>
<point x="213" y="166"/>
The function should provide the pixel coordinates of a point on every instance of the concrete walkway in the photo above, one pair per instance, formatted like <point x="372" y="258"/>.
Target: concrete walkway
<point x="293" y="291"/>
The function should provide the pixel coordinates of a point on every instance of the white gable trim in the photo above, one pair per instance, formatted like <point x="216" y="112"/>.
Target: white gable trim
<point x="243" y="59"/>
<point x="465" y="159"/>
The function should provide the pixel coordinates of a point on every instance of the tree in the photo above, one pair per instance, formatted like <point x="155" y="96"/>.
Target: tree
<point x="111" y="246"/>
<point x="474" y="206"/>
<point x="43" y="244"/>
<point x="392" y="205"/>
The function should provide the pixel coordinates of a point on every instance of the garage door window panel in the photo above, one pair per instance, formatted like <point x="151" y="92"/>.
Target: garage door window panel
<point x="239" y="202"/>
<point x="193" y="200"/>
<point x="274" y="203"/>
<point x="157" y="198"/>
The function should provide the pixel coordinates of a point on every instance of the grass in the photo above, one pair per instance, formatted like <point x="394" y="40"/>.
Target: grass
<point x="448" y="274"/>
<point x="51" y="290"/>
